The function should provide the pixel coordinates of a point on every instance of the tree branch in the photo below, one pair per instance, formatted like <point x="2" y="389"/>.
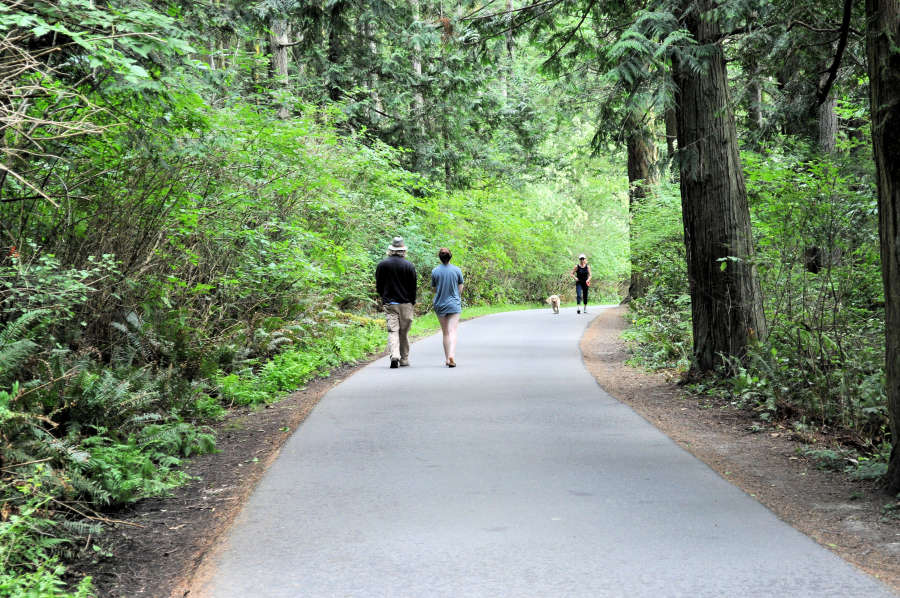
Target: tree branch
<point x="572" y="33"/>
<point x="819" y="29"/>
<point x="22" y="180"/>
<point x="550" y="4"/>
<point x="471" y="16"/>
<point x="822" y="95"/>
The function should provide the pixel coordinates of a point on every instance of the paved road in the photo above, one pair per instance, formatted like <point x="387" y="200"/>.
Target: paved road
<point x="513" y="475"/>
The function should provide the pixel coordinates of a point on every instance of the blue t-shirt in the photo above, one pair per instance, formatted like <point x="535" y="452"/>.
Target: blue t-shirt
<point x="445" y="280"/>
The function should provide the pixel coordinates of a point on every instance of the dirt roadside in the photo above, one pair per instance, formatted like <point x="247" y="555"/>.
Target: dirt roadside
<point x="842" y="514"/>
<point x="161" y="543"/>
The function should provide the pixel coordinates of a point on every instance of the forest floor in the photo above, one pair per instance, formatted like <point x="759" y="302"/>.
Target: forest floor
<point x="159" y="543"/>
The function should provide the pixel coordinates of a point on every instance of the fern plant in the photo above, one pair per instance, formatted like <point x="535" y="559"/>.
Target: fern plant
<point x="15" y="344"/>
<point x="31" y="545"/>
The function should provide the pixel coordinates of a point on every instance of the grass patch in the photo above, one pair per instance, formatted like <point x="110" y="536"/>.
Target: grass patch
<point x="354" y="341"/>
<point x="428" y="324"/>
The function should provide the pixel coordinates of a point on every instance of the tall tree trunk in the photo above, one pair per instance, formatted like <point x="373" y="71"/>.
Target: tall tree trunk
<point x="418" y="105"/>
<point x="506" y="68"/>
<point x="278" y="38"/>
<point x="827" y="121"/>
<point x="212" y="42"/>
<point x="796" y="123"/>
<point x="883" y="33"/>
<point x="726" y="300"/>
<point x="754" y="97"/>
<point x="671" y="133"/>
<point x="642" y="156"/>
<point x="828" y="125"/>
<point x="510" y="43"/>
<point x="212" y="54"/>
<point x="418" y="98"/>
<point x="755" y="104"/>
<point x="335" y="29"/>
<point x="372" y="82"/>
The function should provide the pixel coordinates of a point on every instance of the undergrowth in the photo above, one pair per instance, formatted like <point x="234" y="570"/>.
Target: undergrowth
<point x="821" y="366"/>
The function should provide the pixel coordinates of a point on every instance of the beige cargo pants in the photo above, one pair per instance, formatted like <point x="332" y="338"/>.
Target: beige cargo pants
<point x="399" y="317"/>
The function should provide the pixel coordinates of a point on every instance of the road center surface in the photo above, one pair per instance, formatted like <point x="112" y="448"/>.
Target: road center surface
<point x="512" y="475"/>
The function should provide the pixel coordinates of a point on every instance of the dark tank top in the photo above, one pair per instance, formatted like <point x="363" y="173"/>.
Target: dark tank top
<point x="581" y="273"/>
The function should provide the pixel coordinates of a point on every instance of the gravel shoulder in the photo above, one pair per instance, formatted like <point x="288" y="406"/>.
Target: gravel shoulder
<point x="842" y="514"/>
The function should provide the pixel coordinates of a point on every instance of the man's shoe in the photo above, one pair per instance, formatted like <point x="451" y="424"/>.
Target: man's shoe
<point x="577" y="311"/>
<point x="395" y="363"/>
<point x="404" y="363"/>
<point x="585" y="310"/>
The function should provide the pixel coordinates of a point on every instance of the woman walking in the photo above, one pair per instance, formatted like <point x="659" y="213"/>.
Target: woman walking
<point x="447" y="284"/>
<point x="582" y="275"/>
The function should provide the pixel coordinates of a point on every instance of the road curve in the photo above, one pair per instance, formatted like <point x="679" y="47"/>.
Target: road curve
<point x="512" y="475"/>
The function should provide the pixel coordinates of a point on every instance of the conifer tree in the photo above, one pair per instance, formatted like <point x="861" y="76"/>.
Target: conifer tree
<point x="883" y="31"/>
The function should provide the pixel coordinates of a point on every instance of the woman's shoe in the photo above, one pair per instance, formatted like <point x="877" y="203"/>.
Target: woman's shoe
<point x="451" y="363"/>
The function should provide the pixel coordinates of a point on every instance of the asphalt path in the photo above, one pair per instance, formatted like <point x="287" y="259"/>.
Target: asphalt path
<point x="512" y="475"/>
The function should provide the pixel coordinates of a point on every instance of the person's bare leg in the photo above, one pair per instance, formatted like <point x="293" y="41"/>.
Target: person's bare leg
<point x="452" y="327"/>
<point x="445" y="333"/>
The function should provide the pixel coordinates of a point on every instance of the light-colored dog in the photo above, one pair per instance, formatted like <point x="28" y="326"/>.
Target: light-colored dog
<point x="553" y="300"/>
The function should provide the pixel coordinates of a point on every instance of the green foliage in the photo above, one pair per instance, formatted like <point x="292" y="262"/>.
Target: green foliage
<point x="344" y="341"/>
<point x="660" y="333"/>
<point x="30" y="544"/>
<point x="847" y="461"/>
<point x="14" y="348"/>
<point x="891" y="511"/>
<point x="817" y="256"/>
<point x="124" y="472"/>
<point x="660" y="338"/>
<point x="826" y="458"/>
<point x="173" y="248"/>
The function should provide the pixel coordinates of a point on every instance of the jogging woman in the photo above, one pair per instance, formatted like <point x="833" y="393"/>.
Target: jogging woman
<point x="582" y="275"/>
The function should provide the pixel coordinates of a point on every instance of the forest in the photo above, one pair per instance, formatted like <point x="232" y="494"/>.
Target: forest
<point x="194" y="195"/>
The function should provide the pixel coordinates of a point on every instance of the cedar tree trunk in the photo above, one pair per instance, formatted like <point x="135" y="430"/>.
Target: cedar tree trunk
<point x="671" y="134"/>
<point x="335" y="51"/>
<point x="726" y="301"/>
<point x="642" y="156"/>
<point x="882" y="38"/>
<point x="278" y="38"/>
<point x="755" y="105"/>
<point x="827" y="121"/>
<point x="828" y="125"/>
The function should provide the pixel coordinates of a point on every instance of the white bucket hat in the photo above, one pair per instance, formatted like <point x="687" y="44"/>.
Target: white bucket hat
<point x="397" y="245"/>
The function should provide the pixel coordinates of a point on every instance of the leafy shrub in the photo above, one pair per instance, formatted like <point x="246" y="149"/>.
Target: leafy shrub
<point x="826" y="458"/>
<point x="127" y="471"/>
<point x="660" y="334"/>
<point x="336" y="344"/>
<point x="817" y="255"/>
<point x="30" y="543"/>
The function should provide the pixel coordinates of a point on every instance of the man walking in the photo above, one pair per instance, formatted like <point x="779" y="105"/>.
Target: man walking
<point x="395" y="281"/>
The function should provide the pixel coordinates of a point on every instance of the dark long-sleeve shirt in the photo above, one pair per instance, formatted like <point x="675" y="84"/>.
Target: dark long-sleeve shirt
<point x="395" y="280"/>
